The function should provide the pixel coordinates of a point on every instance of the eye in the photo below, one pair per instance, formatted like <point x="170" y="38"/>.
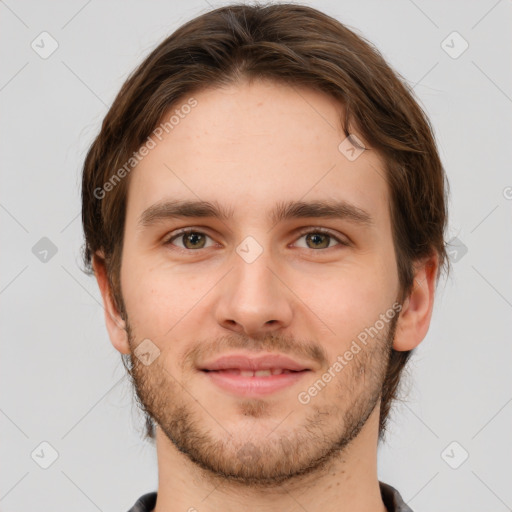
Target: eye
<point x="190" y="238"/>
<point x="320" y="238"/>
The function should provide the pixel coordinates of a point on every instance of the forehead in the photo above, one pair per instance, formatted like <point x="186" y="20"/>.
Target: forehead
<point x="249" y="145"/>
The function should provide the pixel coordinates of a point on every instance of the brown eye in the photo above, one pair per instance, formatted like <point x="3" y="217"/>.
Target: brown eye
<point x="321" y="239"/>
<point x="190" y="240"/>
<point x="318" y="240"/>
<point x="193" y="240"/>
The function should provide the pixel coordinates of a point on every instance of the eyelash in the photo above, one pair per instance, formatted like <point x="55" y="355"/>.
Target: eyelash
<point x="307" y="231"/>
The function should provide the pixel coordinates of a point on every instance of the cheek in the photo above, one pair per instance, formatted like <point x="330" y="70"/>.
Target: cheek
<point x="143" y="295"/>
<point x="156" y="298"/>
<point x="344" y="302"/>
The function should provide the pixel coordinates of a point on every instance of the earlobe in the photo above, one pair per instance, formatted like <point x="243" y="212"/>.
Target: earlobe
<point x="416" y="312"/>
<point x="116" y="326"/>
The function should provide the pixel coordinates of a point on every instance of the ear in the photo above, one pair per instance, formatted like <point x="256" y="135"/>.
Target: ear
<point x="414" y="319"/>
<point x="116" y="326"/>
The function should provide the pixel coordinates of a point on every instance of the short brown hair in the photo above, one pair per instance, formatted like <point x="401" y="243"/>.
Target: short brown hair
<point x="294" y="45"/>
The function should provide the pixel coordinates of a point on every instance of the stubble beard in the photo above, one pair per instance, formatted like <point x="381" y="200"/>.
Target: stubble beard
<point x="323" y="430"/>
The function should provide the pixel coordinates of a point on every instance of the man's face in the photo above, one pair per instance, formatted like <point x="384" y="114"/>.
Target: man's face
<point x="251" y="285"/>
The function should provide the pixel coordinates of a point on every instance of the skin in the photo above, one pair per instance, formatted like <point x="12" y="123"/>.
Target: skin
<point x="250" y="146"/>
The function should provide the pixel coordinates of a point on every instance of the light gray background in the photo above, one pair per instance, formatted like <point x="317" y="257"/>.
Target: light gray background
<point x="62" y="381"/>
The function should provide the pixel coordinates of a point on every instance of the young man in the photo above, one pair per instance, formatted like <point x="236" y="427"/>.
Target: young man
<point x="264" y="211"/>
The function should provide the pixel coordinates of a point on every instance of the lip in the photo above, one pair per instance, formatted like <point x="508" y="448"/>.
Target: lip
<point x="225" y="373"/>
<point x="253" y="386"/>
<point x="254" y="363"/>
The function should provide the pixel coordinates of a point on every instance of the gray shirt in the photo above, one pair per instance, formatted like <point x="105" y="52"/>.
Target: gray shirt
<point x="390" y="496"/>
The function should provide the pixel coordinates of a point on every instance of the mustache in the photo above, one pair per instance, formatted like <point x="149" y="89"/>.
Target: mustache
<point x="209" y="348"/>
<point x="288" y="345"/>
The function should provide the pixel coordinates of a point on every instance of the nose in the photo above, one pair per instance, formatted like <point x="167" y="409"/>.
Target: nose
<point x="254" y="300"/>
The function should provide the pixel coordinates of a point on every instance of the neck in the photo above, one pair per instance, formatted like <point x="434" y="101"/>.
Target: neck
<point x="347" y="483"/>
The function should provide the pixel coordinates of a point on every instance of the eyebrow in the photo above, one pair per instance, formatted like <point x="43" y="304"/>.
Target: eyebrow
<point x="281" y="212"/>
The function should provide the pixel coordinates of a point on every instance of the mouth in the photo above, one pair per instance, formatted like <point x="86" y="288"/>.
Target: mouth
<point x="254" y="373"/>
<point x="247" y="375"/>
<point x="254" y="363"/>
